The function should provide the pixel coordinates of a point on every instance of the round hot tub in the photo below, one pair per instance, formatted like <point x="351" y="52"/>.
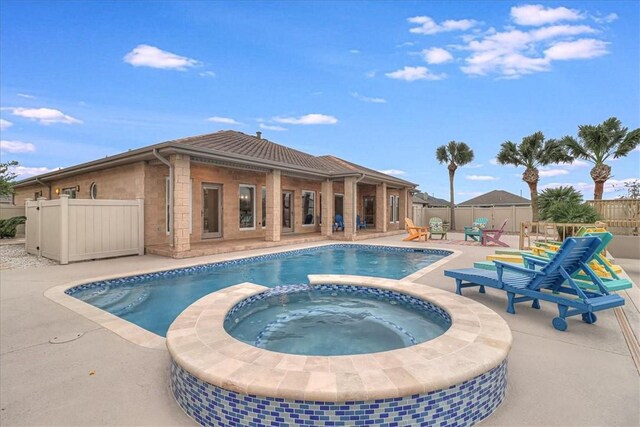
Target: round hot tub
<point x="368" y="362"/>
<point x="333" y="320"/>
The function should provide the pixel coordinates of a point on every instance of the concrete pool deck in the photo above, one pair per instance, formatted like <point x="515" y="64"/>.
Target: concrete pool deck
<point x="584" y="376"/>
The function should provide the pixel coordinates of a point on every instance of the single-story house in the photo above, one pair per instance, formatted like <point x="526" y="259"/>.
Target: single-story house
<point x="227" y="186"/>
<point x="496" y="198"/>
<point x="424" y="200"/>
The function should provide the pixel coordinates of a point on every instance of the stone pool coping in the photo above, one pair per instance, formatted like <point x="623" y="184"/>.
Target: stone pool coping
<point x="144" y="338"/>
<point x="477" y="341"/>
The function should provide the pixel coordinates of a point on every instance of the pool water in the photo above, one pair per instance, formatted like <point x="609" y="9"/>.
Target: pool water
<point x="154" y="301"/>
<point x="331" y="321"/>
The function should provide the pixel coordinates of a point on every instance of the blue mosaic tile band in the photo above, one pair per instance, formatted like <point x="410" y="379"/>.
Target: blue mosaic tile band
<point x="459" y="405"/>
<point x="125" y="281"/>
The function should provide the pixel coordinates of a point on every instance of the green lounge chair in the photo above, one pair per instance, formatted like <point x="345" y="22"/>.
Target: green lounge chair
<point x="437" y="227"/>
<point x="475" y="231"/>
<point x="550" y="281"/>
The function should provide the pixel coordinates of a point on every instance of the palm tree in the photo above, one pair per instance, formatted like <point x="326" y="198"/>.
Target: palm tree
<point x="454" y="154"/>
<point x="532" y="152"/>
<point x="596" y="144"/>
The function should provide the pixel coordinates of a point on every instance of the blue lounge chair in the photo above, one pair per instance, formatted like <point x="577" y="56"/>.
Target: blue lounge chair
<point x="548" y="282"/>
<point x="360" y="224"/>
<point x="338" y="224"/>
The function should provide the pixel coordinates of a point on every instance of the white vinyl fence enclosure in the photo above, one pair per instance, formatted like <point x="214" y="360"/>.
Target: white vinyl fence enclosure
<point x="465" y="215"/>
<point x="68" y="230"/>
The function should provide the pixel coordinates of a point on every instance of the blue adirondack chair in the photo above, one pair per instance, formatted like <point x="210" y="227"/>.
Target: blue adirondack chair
<point x="360" y="224"/>
<point x="548" y="282"/>
<point x="338" y="224"/>
<point x="475" y="231"/>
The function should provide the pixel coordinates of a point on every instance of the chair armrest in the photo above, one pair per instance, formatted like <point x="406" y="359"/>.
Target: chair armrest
<point x="534" y="260"/>
<point x="467" y="228"/>
<point x="417" y="228"/>
<point x="508" y="266"/>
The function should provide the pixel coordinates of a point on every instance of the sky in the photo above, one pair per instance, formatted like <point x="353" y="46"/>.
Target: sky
<point x="381" y="84"/>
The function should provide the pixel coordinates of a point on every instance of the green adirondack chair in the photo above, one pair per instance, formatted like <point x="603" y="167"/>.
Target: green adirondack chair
<point x="437" y="227"/>
<point x="475" y="231"/>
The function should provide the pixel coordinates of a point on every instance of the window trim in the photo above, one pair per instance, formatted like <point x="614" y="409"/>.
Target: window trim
<point x="313" y="215"/>
<point x="253" y="207"/>
<point x="264" y="206"/>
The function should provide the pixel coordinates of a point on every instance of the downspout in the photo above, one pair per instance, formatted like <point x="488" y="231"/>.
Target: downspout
<point x="355" y="191"/>
<point x="168" y="163"/>
<point x="45" y="185"/>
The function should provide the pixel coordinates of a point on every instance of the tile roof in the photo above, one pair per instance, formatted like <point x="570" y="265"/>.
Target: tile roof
<point x="497" y="198"/>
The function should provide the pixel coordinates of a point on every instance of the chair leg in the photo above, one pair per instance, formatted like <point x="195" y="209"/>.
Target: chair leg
<point x="536" y="304"/>
<point x="511" y="308"/>
<point x="482" y="291"/>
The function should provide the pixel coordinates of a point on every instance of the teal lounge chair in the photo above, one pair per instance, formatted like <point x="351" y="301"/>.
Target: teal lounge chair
<point x="475" y="231"/>
<point x="552" y="281"/>
<point x="437" y="227"/>
<point x="338" y="224"/>
<point x="360" y="224"/>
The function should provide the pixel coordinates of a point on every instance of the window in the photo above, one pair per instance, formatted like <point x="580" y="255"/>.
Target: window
<point x="71" y="191"/>
<point x="394" y="209"/>
<point x="264" y="207"/>
<point x="308" y="207"/>
<point x="93" y="190"/>
<point x="247" y="207"/>
<point x="167" y="205"/>
<point x="320" y="207"/>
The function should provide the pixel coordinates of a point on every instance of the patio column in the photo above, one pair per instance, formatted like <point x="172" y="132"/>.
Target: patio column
<point x="381" y="207"/>
<point x="350" y="197"/>
<point x="404" y="212"/>
<point x="274" y="208"/>
<point x="327" y="208"/>
<point x="181" y="198"/>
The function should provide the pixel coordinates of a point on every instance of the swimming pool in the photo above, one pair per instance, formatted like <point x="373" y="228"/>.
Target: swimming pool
<point x="153" y="301"/>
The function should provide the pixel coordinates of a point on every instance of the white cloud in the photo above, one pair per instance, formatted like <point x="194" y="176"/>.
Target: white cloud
<point x="436" y="55"/>
<point x="411" y="74"/>
<point x="473" y="166"/>
<point x="575" y="164"/>
<point x="406" y="44"/>
<point x="396" y="172"/>
<point x="25" y="95"/>
<point x="25" y="172"/>
<point x="544" y="173"/>
<point x="428" y="26"/>
<point x="5" y="124"/>
<point x="354" y="51"/>
<point x="605" y="19"/>
<point x="577" y="49"/>
<point x="481" y="178"/>
<point x="207" y="74"/>
<point x="637" y="148"/>
<point x="363" y="98"/>
<point x="309" y="119"/>
<point x="514" y="53"/>
<point x="370" y="74"/>
<point x="272" y="127"/>
<point x="223" y="120"/>
<point x="494" y="162"/>
<point x="536" y="14"/>
<point x="150" y="56"/>
<point x="16" y="147"/>
<point x="45" y="116"/>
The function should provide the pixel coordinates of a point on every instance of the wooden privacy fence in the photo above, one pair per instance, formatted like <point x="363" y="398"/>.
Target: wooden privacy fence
<point x="79" y="229"/>
<point x="624" y="213"/>
<point x="465" y="215"/>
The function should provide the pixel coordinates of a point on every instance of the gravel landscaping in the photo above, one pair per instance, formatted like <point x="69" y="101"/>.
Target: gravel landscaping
<point x="15" y="257"/>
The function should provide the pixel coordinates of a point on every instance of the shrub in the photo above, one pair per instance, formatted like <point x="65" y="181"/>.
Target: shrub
<point x="8" y="226"/>
<point x="549" y="197"/>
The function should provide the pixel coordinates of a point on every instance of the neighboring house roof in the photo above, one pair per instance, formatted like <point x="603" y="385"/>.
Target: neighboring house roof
<point x="434" y="201"/>
<point x="420" y="198"/>
<point x="496" y="198"/>
<point x="233" y="149"/>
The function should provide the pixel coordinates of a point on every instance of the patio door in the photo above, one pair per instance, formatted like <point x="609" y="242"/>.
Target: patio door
<point x="211" y="211"/>
<point x="369" y="210"/>
<point x="287" y="211"/>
